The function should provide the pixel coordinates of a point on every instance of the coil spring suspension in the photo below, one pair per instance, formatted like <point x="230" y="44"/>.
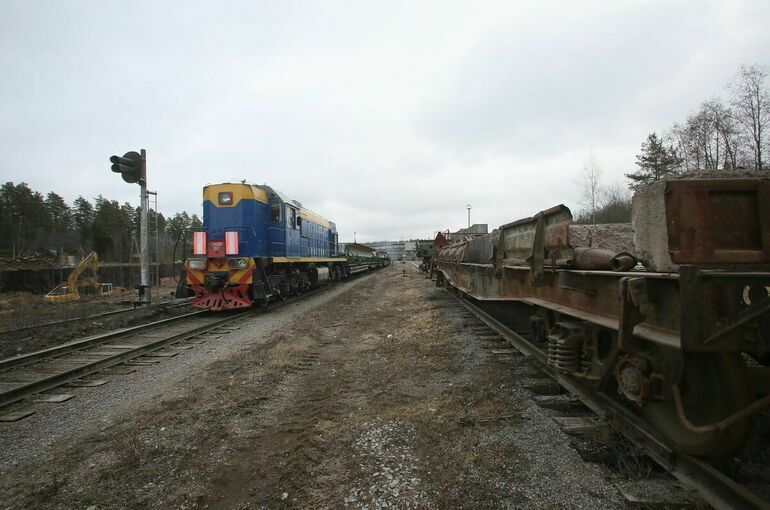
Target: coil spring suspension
<point x="565" y="343"/>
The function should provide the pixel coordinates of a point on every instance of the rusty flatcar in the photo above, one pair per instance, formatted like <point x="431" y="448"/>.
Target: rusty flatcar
<point x="683" y="336"/>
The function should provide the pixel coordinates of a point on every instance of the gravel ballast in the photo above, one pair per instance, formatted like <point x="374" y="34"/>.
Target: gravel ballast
<point x="377" y="394"/>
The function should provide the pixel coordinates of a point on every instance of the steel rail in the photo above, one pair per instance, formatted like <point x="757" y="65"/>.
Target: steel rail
<point x="20" y="392"/>
<point x="166" y="304"/>
<point x="716" y="488"/>
<point x="33" y="357"/>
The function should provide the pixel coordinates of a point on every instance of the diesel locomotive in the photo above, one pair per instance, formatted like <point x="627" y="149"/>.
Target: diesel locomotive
<point x="683" y="336"/>
<point x="257" y="245"/>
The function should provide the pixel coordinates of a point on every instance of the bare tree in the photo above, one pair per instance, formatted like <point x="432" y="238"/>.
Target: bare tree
<point x="704" y="140"/>
<point x="614" y="206"/>
<point x="708" y="140"/>
<point x="679" y="140"/>
<point x="723" y="122"/>
<point x="714" y="135"/>
<point x="591" y="185"/>
<point x="751" y="108"/>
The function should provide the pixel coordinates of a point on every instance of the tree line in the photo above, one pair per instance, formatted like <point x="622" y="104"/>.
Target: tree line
<point x="722" y="135"/>
<point x="46" y="226"/>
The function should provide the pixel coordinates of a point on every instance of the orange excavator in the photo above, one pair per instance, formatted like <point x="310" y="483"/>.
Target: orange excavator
<point x="69" y="290"/>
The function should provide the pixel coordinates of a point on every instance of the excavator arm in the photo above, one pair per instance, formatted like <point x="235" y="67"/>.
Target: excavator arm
<point x="69" y="290"/>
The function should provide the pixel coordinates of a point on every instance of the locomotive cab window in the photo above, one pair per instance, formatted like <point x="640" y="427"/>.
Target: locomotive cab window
<point x="275" y="212"/>
<point x="226" y="198"/>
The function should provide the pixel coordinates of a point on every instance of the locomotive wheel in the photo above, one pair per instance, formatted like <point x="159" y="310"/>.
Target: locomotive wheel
<point x="713" y="386"/>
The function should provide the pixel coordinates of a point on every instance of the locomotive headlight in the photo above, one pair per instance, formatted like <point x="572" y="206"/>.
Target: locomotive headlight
<point x="237" y="263"/>
<point x="196" y="263"/>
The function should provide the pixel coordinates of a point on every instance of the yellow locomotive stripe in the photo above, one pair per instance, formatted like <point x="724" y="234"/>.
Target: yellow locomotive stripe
<point x="313" y="217"/>
<point x="243" y="275"/>
<point x="194" y="273"/>
<point x="239" y="191"/>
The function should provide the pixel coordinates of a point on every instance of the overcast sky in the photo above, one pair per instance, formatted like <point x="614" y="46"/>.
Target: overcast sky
<point x="385" y="117"/>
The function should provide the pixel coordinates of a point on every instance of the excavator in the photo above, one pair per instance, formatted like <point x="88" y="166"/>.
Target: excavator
<point x="69" y="290"/>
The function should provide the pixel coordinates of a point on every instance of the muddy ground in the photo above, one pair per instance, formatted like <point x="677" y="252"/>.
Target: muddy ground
<point x="29" y="311"/>
<point x="381" y="398"/>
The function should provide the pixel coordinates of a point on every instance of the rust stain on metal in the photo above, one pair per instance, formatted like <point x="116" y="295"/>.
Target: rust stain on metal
<point x="718" y="221"/>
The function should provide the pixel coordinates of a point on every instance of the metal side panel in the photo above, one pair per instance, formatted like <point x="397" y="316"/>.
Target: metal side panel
<point x="718" y="221"/>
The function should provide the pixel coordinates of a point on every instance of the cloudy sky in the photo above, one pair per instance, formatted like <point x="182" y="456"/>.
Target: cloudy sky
<point x="386" y="117"/>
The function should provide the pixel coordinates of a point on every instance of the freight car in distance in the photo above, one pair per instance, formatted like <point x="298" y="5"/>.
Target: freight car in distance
<point x="361" y="258"/>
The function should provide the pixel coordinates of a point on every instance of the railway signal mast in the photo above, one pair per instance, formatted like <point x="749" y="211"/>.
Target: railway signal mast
<point x="133" y="168"/>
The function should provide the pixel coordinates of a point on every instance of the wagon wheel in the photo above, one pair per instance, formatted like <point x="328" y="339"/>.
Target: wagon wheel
<point x="713" y="386"/>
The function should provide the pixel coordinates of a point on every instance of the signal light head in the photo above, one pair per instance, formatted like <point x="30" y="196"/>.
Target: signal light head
<point x="131" y="166"/>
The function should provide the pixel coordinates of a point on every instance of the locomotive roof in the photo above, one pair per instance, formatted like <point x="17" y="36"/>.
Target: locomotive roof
<point x="272" y="192"/>
<point x="305" y="213"/>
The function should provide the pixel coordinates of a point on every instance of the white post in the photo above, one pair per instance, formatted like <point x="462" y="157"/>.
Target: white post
<point x="144" y="255"/>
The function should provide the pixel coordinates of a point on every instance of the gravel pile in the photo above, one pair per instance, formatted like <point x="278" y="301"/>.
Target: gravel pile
<point x="383" y="451"/>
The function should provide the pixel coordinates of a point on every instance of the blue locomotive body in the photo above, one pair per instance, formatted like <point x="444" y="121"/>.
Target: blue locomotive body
<point x="257" y="245"/>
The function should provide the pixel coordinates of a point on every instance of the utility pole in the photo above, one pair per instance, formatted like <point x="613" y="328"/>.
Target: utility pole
<point x="144" y="244"/>
<point x="469" y="217"/>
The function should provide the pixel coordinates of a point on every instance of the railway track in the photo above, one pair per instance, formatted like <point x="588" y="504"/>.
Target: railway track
<point x="34" y="373"/>
<point x="718" y="489"/>
<point x="30" y="375"/>
<point x="133" y="309"/>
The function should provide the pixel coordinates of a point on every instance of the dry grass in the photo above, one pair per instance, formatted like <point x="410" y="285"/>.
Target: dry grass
<point x="233" y="415"/>
<point x="130" y="447"/>
<point x="285" y="355"/>
<point x="630" y="462"/>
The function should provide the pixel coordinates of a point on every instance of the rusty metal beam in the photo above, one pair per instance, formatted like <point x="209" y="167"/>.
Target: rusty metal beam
<point x="744" y="318"/>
